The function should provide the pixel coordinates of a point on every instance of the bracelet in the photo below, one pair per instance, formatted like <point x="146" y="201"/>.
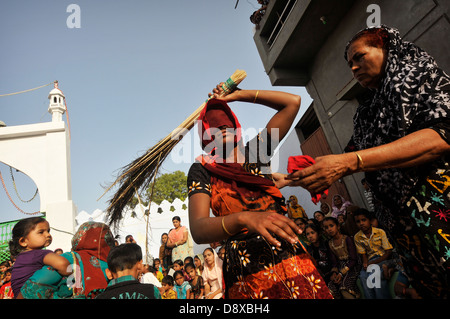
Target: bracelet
<point x="224" y="228"/>
<point x="343" y="271"/>
<point x="360" y="161"/>
<point x="256" y="95"/>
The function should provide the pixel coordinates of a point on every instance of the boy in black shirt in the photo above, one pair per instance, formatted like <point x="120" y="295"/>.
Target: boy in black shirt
<point x="124" y="265"/>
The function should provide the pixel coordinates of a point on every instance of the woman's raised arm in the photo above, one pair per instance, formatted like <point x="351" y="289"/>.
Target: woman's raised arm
<point x="286" y="104"/>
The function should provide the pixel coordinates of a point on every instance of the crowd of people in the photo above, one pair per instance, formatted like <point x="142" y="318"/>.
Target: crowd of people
<point x="344" y="241"/>
<point x="400" y="141"/>
<point x="178" y="269"/>
<point x="107" y="269"/>
<point x="5" y="280"/>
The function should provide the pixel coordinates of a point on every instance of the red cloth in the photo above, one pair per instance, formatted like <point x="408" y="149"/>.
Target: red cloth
<point x="92" y="242"/>
<point x="297" y="163"/>
<point x="235" y="173"/>
<point x="215" y="114"/>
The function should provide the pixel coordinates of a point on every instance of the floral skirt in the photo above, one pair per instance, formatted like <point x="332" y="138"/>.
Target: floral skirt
<point x="421" y="233"/>
<point x="255" y="269"/>
<point x="181" y="252"/>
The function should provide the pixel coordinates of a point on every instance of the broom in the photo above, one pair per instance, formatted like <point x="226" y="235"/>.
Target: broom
<point x="141" y="171"/>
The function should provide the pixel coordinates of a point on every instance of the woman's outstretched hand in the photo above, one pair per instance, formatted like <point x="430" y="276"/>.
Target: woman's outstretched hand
<point x="280" y="180"/>
<point x="318" y="177"/>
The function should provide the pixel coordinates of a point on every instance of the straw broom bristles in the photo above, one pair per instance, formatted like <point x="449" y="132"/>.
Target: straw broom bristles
<point x="142" y="170"/>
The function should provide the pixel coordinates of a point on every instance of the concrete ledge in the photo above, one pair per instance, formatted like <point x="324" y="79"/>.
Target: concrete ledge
<point x="30" y="130"/>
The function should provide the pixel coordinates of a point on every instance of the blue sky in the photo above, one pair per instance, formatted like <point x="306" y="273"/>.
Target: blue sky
<point x="133" y="72"/>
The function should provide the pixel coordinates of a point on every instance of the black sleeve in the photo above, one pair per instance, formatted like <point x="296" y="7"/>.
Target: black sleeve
<point x="198" y="180"/>
<point x="443" y="129"/>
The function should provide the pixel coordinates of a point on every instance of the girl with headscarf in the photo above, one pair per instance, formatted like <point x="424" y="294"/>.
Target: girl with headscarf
<point x="263" y="256"/>
<point x="401" y="140"/>
<point x="339" y="206"/>
<point x="90" y="248"/>
<point x="325" y="209"/>
<point x="295" y="210"/>
<point x="212" y="274"/>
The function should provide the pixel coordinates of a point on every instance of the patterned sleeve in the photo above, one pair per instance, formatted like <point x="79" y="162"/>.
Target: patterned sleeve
<point x="386" y="244"/>
<point x="359" y="247"/>
<point x="443" y="129"/>
<point x="432" y="104"/>
<point x="198" y="180"/>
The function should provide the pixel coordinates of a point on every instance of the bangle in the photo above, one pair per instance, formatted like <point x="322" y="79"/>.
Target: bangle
<point x="360" y="161"/>
<point x="256" y="95"/>
<point x="224" y="228"/>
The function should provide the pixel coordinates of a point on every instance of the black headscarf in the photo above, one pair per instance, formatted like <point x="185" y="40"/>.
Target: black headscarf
<point x="414" y="94"/>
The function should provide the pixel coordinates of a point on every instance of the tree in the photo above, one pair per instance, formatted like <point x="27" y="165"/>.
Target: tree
<point x="168" y="186"/>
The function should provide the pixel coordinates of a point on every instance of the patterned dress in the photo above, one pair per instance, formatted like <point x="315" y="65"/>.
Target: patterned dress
<point x="413" y="204"/>
<point x="180" y="251"/>
<point x="253" y="268"/>
<point x="345" y="261"/>
<point x="198" y="287"/>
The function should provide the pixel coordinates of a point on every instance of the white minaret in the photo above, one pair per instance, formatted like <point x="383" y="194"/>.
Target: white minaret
<point x="42" y="152"/>
<point x="56" y="107"/>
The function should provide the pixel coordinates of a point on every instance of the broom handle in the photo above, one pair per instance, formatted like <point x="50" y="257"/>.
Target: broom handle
<point x="233" y="81"/>
<point x="228" y="87"/>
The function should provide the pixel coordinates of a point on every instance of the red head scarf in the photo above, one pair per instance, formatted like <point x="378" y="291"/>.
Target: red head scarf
<point x="215" y="114"/>
<point x="92" y="242"/>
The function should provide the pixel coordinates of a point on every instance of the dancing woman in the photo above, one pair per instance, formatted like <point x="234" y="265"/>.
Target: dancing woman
<point x="263" y="257"/>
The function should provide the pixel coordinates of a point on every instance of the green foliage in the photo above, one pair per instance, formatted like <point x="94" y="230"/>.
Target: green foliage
<point x="168" y="187"/>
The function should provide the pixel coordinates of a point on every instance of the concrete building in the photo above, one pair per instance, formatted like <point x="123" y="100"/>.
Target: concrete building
<point x="42" y="152"/>
<point x="301" y="43"/>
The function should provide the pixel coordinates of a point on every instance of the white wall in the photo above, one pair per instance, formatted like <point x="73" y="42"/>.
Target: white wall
<point x="42" y="152"/>
<point x="137" y="226"/>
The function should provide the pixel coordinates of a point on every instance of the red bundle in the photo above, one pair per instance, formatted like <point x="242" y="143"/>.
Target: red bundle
<point x="296" y="163"/>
